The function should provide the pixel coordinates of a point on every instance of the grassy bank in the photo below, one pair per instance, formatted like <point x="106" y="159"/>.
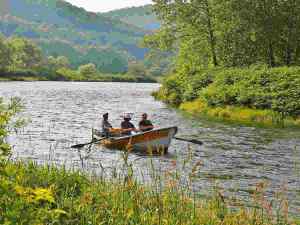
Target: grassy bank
<point x="267" y="96"/>
<point x="32" y="194"/>
<point x="247" y="116"/>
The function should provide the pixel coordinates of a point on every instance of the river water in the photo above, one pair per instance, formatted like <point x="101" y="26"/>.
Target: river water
<point x="235" y="158"/>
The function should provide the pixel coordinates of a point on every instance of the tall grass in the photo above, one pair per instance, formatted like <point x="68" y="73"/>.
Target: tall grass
<point x="243" y="115"/>
<point x="32" y="194"/>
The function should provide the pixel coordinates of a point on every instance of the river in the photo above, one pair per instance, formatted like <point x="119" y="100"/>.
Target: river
<point x="235" y="158"/>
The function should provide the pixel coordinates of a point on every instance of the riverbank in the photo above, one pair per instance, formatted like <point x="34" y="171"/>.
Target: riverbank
<point x="245" y="116"/>
<point x="255" y="96"/>
<point x="66" y="74"/>
<point x="100" y="78"/>
<point x="40" y="194"/>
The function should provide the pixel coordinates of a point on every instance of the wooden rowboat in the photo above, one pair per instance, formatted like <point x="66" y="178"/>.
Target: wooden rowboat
<point x="155" y="141"/>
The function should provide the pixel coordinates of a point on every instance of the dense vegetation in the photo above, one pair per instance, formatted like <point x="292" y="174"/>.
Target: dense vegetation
<point x="7" y="112"/>
<point x="32" y="194"/>
<point x="110" y="41"/>
<point x="22" y="59"/>
<point x="61" y="29"/>
<point x="227" y="53"/>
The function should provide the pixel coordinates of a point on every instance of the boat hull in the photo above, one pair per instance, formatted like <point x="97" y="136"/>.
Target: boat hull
<point x="155" y="141"/>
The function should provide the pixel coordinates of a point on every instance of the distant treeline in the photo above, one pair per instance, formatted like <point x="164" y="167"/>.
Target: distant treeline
<point x="22" y="59"/>
<point x="225" y="51"/>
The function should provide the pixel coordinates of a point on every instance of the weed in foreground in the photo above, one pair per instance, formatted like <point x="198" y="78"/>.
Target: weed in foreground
<point x="32" y="194"/>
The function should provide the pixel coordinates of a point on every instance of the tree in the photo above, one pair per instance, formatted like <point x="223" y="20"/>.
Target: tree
<point x="290" y="44"/>
<point x="230" y="33"/>
<point x="57" y="63"/>
<point x="191" y="22"/>
<point x="87" y="70"/>
<point x="62" y="62"/>
<point x="25" y="53"/>
<point x="137" y="69"/>
<point x="5" y="55"/>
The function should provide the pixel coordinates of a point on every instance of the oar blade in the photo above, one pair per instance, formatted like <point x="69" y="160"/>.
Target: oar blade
<point x="93" y="142"/>
<point x="194" y="141"/>
<point x="197" y="142"/>
<point x="78" y="146"/>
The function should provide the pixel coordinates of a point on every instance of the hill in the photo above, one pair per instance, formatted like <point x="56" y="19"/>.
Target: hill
<point x="142" y="17"/>
<point x="63" y="29"/>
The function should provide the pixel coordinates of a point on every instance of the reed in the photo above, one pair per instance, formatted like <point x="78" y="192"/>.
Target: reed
<point x="32" y="194"/>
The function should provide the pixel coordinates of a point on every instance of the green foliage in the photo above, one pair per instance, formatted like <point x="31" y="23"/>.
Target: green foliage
<point x="5" y="54"/>
<point x="106" y="60"/>
<point x="276" y="89"/>
<point x="7" y="112"/>
<point x="62" y="29"/>
<point x="68" y="74"/>
<point x="224" y="52"/>
<point x="232" y="33"/>
<point x="87" y="70"/>
<point x="25" y="62"/>
<point x="137" y="69"/>
<point x="25" y="54"/>
<point x="31" y="194"/>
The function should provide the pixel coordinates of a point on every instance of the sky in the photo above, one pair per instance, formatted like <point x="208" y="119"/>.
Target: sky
<point x="107" y="5"/>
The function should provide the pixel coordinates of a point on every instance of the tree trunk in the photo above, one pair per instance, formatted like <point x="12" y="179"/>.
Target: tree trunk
<point x="271" y="55"/>
<point x="288" y="53"/>
<point x="211" y="34"/>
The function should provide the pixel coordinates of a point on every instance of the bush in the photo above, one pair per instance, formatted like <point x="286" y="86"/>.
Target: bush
<point x="7" y="112"/>
<point x="277" y="89"/>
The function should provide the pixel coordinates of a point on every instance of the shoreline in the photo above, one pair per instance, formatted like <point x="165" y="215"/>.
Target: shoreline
<point x="81" y="81"/>
<point x="240" y="115"/>
<point x="234" y="115"/>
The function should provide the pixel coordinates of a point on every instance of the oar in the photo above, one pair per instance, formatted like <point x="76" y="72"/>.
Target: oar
<point x="194" y="141"/>
<point x="92" y="142"/>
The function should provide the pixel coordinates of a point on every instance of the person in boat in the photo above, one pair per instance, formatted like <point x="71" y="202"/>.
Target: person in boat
<point x="106" y="126"/>
<point x="145" y="124"/>
<point x="127" y="126"/>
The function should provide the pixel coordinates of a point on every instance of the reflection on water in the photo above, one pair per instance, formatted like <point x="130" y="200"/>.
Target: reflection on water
<point x="237" y="158"/>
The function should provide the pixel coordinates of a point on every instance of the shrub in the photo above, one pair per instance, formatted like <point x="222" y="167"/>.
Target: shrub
<point x="7" y="111"/>
<point x="277" y="89"/>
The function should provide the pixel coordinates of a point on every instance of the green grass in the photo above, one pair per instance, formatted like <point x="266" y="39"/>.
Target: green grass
<point x="32" y="194"/>
<point x="242" y="115"/>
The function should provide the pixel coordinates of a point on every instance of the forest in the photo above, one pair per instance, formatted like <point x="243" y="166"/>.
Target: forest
<point x="231" y="54"/>
<point x="22" y="59"/>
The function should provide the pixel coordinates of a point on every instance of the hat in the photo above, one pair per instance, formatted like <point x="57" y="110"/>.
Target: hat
<point x="105" y="115"/>
<point x="127" y="116"/>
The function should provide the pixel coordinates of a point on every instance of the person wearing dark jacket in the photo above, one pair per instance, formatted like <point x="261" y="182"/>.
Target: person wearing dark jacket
<point x="106" y="126"/>
<point x="127" y="126"/>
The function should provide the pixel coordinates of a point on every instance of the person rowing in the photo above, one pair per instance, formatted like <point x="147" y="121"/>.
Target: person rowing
<point x="127" y="126"/>
<point x="145" y="124"/>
